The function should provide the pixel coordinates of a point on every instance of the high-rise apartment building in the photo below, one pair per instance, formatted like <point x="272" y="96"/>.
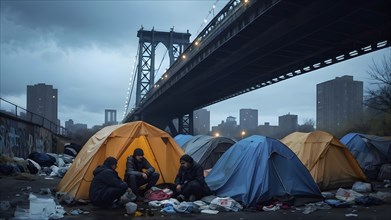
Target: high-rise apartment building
<point x="201" y="121"/>
<point x="338" y="101"/>
<point x="227" y="128"/>
<point x="69" y="124"/>
<point x="42" y="100"/>
<point x="287" y="124"/>
<point x="248" y="119"/>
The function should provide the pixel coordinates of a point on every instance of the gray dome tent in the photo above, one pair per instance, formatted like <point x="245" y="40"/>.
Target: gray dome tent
<point x="206" y="150"/>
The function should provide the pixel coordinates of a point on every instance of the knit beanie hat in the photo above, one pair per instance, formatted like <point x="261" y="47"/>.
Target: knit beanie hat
<point x="138" y="152"/>
<point x="187" y="158"/>
<point x="110" y="161"/>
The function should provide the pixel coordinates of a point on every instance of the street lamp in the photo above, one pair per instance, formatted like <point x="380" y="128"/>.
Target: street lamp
<point x="243" y="133"/>
<point x="217" y="134"/>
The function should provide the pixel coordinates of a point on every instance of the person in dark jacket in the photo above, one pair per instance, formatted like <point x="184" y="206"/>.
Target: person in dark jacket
<point x="139" y="172"/>
<point x="190" y="181"/>
<point x="107" y="187"/>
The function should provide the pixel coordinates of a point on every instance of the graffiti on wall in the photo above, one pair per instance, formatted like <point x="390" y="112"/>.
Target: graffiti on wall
<point x="18" y="139"/>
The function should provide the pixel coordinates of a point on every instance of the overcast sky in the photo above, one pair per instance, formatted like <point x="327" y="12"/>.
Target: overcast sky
<point x="86" y="50"/>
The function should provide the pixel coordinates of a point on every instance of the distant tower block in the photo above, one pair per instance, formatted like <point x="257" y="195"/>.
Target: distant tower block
<point x="175" y="43"/>
<point x="110" y="117"/>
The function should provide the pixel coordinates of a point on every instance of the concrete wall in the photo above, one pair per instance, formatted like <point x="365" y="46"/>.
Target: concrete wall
<point x="19" y="138"/>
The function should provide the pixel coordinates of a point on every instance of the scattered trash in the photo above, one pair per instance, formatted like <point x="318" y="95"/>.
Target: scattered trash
<point x="59" y="195"/>
<point x="347" y="195"/>
<point x="337" y="203"/>
<point x="271" y="208"/>
<point x="138" y="214"/>
<point x="384" y="196"/>
<point x="26" y="189"/>
<point x="368" y="201"/>
<point x="21" y="213"/>
<point x="328" y="195"/>
<point x="351" y="215"/>
<point x="387" y="183"/>
<point x="187" y="207"/>
<point x="77" y="212"/>
<point x="45" y="191"/>
<point x="41" y="207"/>
<point x="209" y="211"/>
<point x="168" y="208"/>
<point x="362" y="187"/>
<point x="131" y="207"/>
<point x="68" y="199"/>
<point x="311" y="207"/>
<point x="225" y="204"/>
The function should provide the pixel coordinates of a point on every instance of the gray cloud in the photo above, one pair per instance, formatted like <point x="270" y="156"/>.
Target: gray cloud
<point x="86" y="50"/>
<point x="84" y="23"/>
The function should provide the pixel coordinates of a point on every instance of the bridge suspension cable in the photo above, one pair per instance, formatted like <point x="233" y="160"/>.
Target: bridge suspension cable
<point x="205" y="21"/>
<point x="164" y="56"/>
<point x="132" y="81"/>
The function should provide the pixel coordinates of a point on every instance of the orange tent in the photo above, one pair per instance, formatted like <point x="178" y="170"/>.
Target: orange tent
<point x="119" y="141"/>
<point x="329" y="161"/>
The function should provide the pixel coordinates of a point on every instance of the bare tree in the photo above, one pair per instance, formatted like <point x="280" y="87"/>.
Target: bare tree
<point x="379" y="98"/>
<point x="307" y="126"/>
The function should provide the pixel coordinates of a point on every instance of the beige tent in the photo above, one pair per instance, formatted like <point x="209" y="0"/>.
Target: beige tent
<point x="329" y="161"/>
<point x="119" y="141"/>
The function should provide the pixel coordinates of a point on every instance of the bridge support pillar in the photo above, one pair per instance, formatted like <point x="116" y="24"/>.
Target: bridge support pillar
<point x="186" y="124"/>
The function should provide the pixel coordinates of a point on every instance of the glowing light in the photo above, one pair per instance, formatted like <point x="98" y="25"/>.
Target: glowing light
<point x="205" y="20"/>
<point x="217" y="134"/>
<point x="243" y="133"/>
<point x="183" y="56"/>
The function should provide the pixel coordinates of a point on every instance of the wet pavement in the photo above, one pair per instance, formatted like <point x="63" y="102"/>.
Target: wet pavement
<point x="16" y="190"/>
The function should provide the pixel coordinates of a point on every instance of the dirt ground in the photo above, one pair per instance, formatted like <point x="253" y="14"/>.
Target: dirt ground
<point x="16" y="189"/>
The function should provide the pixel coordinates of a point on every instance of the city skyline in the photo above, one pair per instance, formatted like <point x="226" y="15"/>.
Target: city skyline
<point x="89" y="57"/>
<point x="113" y="112"/>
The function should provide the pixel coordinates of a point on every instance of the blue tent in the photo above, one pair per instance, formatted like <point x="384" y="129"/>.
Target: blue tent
<point x="181" y="139"/>
<point x="370" y="151"/>
<point x="258" y="168"/>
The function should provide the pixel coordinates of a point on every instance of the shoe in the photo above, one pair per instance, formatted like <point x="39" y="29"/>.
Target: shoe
<point x="192" y="198"/>
<point x="180" y="198"/>
<point x="115" y="205"/>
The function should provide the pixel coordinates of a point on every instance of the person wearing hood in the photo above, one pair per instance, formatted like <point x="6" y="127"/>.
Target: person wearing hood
<point x="190" y="181"/>
<point x="106" y="186"/>
<point x="139" y="172"/>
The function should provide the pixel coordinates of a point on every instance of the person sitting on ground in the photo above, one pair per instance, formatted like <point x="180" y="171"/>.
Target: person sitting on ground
<point x="190" y="181"/>
<point x="134" y="174"/>
<point x="107" y="187"/>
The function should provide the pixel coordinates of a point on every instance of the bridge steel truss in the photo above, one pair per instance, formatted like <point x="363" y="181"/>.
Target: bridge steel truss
<point x="249" y="45"/>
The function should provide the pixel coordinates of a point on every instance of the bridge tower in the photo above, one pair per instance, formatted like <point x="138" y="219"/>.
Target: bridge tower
<point x="175" y="43"/>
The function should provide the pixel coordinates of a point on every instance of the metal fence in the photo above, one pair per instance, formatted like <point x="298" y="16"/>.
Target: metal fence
<point x="13" y="110"/>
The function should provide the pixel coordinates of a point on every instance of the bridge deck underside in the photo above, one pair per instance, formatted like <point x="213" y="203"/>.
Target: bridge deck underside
<point x="289" y="36"/>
